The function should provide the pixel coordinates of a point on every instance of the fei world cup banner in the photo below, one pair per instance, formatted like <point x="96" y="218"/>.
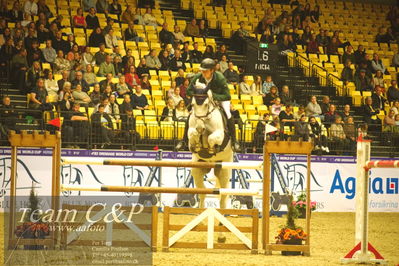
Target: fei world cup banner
<point x="333" y="182"/>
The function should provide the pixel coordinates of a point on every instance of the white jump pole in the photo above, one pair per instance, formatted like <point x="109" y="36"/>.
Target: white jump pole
<point x="166" y="163"/>
<point x="360" y="253"/>
<point x="215" y="191"/>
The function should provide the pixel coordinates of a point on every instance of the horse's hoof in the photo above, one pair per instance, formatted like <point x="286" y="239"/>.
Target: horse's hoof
<point x="221" y="239"/>
<point x="211" y="151"/>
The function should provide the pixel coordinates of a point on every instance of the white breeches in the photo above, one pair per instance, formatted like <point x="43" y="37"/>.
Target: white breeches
<point x="226" y="107"/>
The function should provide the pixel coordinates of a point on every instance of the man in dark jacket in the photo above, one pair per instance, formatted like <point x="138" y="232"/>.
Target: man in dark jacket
<point x="102" y="125"/>
<point x="231" y="75"/>
<point x="166" y="36"/>
<point x="216" y="84"/>
<point x="79" y="80"/>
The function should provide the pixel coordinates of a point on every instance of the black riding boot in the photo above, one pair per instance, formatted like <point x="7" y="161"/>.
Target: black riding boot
<point x="232" y="130"/>
<point x="182" y="144"/>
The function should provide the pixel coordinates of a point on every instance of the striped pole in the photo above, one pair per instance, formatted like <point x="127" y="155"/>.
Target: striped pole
<point x="382" y="164"/>
<point x="166" y="163"/>
<point x="215" y="191"/>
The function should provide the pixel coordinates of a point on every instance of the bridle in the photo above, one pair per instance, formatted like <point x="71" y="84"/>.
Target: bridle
<point x="209" y="111"/>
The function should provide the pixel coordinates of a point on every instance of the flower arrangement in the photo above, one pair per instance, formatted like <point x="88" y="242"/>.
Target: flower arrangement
<point x="32" y="230"/>
<point x="291" y="232"/>
<point x="300" y="203"/>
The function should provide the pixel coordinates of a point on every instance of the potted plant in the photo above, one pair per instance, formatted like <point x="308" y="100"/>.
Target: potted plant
<point x="291" y="234"/>
<point x="300" y="205"/>
<point x="32" y="230"/>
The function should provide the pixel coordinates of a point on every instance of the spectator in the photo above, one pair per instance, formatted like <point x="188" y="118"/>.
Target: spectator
<point x="178" y="35"/>
<point x="149" y="19"/>
<point x="231" y="75"/>
<point x="60" y="44"/>
<point x="313" y="108"/>
<point x="181" y="111"/>
<point x="203" y="29"/>
<point x="307" y="34"/>
<point x="302" y="129"/>
<point x="287" y="117"/>
<point x="28" y="39"/>
<point x="238" y="39"/>
<point x="180" y="77"/>
<point x="224" y="64"/>
<point x="143" y="69"/>
<point x="128" y="15"/>
<point x="330" y="116"/>
<point x="71" y="55"/>
<point x="393" y="92"/>
<point x="34" y="53"/>
<point x="111" y="41"/>
<point x="139" y="100"/>
<point x="95" y="95"/>
<point x="259" y="135"/>
<point x="138" y="19"/>
<point x="49" y="52"/>
<point x="106" y="67"/>
<point x="131" y="34"/>
<point x="183" y="91"/>
<point x="60" y="63"/>
<point x="395" y="107"/>
<point x="80" y="96"/>
<point x="126" y="104"/>
<point x="363" y="82"/>
<point x="88" y="4"/>
<point x="107" y="81"/>
<point x="256" y="86"/>
<point x="102" y="126"/>
<point x="51" y="86"/>
<point x="8" y="116"/>
<point x="39" y="97"/>
<point x="300" y="112"/>
<point x="15" y="14"/>
<point x="370" y="115"/>
<point x="332" y="48"/>
<point x="186" y="52"/>
<point x="348" y="54"/>
<point x="7" y="51"/>
<point x="285" y="96"/>
<point x="267" y="84"/>
<point x="115" y="8"/>
<point x="75" y="126"/>
<point x="107" y="92"/>
<point x="175" y="96"/>
<point x="244" y="87"/>
<point x="323" y="39"/>
<point x="131" y="77"/>
<point x="166" y="36"/>
<point x="195" y="54"/>
<point x="315" y="14"/>
<point x="79" y="20"/>
<point x="267" y="37"/>
<point x="208" y="52"/>
<point x="379" y="100"/>
<point x="389" y="121"/>
<point x="19" y="66"/>
<point x="89" y="76"/>
<point x="177" y="61"/>
<point x="325" y="104"/>
<point x="338" y="136"/>
<point x="276" y="108"/>
<point x="192" y="29"/>
<point x="378" y="80"/>
<point x="222" y="51"/>
<point x="347" y="112"/>
<point x="92" y="21"/>
<point x="102" y="6"/>
<point x="169" y="111"/>
<point x="63" y="80"/>
<point x="359" y="54"/>
<point x="122" y="87"/>
<point x="96" y="38"/>
<point x="34" y="73"/>
<point x="377" y="64"/>
<point x="347" y="72"/>
<point x="316" y="133"/>
<point x="114" y="108"/>
<point x="30" y="8"/>
<point x="164" y="59"/>
<point x="81" y="81"/>
<point x="270" y="97"/>
<point x="152" y="60"/>
<point x="145" y="84"/>
<point x="381" y="36"/>
<point x="117" y="61"/>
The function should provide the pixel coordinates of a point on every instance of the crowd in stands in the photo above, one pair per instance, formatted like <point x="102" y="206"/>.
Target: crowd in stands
<point x="58" y="73"/>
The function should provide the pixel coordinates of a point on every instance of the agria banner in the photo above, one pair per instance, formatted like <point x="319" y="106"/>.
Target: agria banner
<point x="333" y="182"/>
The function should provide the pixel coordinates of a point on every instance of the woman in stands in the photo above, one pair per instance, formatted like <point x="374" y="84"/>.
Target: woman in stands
<point x="169" y="111"/>
<point x="181" y="111"/>
<point x="313" y="46"/>
<point x="316" y="133"/>
<point x="95" y="95"/>
<point x="89" y="75"/>
<point x="256" y="86"/>
<point x="370" y="115"/>
<point x="96" y="38"/>
<point x="51" y="86"/>
<point x="145" y="84"/>
<point x="378" y="80"/>
<point x="79" y="21"/>
<point x="208" y="52"/>
<point x="315" y="14"/>
<point x="131" y="77"/>
<point x="142" y="69"/>
<point x="164" y="59"/>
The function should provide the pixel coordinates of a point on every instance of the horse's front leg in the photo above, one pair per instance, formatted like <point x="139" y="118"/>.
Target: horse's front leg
<point x="193" y="140"/>
<point x="216" y="138"/>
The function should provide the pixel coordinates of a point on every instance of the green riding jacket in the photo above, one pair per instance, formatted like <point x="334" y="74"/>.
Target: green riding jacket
<point x="218" y="86"/>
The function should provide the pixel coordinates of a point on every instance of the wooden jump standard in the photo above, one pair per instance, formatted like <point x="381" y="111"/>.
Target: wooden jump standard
<point x="167" y="163"/>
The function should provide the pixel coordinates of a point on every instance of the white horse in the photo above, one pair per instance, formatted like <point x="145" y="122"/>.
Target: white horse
<point x="207" y="142"/>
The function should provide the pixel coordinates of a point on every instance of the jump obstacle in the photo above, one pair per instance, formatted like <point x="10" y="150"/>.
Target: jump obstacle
<point x="278" y="147"/>
<point x="360" y="253"/>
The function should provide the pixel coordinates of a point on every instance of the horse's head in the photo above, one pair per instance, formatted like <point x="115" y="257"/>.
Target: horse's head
<point x="201" y="100"/>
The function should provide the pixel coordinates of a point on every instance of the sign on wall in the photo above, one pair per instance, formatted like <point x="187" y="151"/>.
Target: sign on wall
<point x="333" y="182"/>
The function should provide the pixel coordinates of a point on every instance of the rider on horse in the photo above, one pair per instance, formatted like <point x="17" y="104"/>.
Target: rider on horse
<point x="216" y="83"/>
